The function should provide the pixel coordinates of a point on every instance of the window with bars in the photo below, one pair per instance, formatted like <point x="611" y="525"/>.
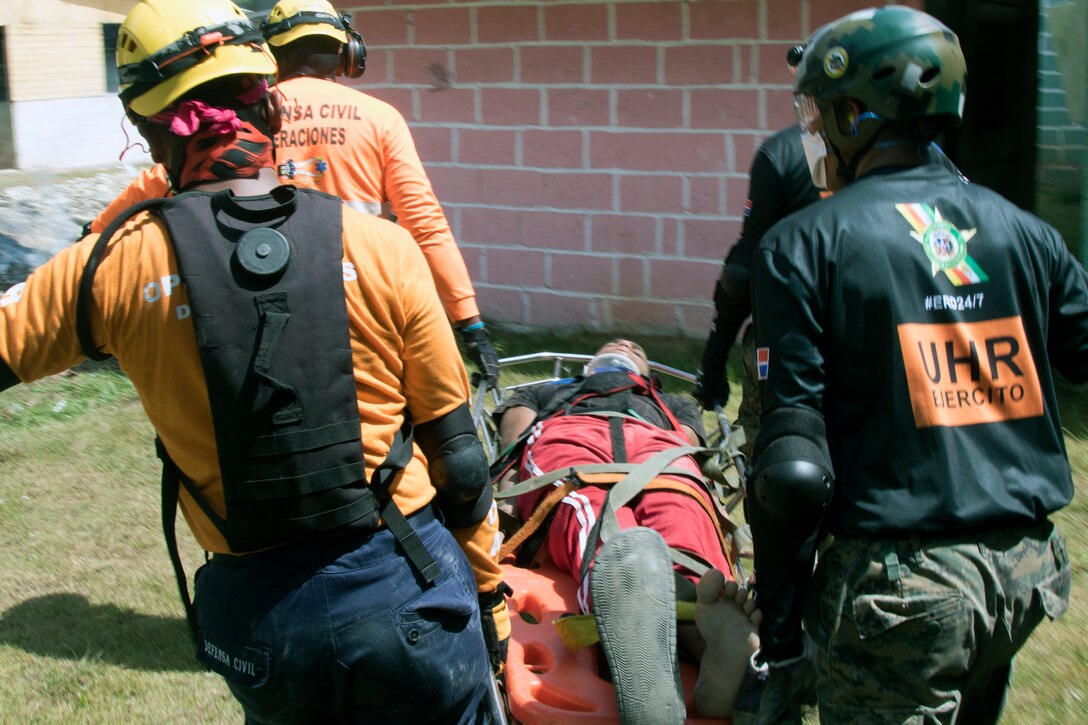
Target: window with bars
<point x="4" y="90"/>
<point x="109" y="48"/>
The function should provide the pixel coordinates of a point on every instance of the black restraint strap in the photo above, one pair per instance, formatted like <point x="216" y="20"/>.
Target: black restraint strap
<point x="399" y="455"/>
<point x="619" y="446"/>
<point x="169" y="521"/>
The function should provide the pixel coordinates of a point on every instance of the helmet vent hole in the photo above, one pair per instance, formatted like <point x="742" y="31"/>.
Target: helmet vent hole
<point x="883" y="74"/>
<point x="929" y="76"/>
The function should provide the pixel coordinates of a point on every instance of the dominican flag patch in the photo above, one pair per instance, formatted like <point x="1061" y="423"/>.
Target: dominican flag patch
<point x="763" y="362"/>
<point x="747" y="207"/>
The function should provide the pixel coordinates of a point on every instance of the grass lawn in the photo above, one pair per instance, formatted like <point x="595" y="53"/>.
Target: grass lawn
<point x="91" y="629"/>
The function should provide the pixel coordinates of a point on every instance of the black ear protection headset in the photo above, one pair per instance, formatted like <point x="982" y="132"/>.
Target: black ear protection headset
<point x="352" y="51"/>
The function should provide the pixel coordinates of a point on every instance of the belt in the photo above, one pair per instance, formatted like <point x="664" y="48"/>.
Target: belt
<point x="343" y="541"/>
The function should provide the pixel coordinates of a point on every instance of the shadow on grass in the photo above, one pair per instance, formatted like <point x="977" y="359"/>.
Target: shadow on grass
<point x="67" y="626"/>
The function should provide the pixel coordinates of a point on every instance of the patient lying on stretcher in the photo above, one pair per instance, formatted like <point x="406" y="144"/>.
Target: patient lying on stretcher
<point x="647" y="540"/>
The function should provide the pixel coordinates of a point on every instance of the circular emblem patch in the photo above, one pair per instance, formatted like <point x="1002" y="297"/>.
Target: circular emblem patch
<point x="944" y="245"/>
<point x="836" y="61"/>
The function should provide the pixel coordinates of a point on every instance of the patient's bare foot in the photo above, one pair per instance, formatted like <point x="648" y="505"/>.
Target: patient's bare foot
<point x="729" y="622"/>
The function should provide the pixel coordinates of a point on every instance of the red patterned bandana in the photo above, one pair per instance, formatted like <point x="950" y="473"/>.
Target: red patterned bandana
<point x="211" y="156"/>
<point x="221" y="144"/>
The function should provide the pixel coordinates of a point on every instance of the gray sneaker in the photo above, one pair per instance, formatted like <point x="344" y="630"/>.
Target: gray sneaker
<point x="634" y="601"/>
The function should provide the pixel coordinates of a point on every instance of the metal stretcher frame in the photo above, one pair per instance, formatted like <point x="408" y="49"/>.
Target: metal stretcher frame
<point x="544" y="683"/>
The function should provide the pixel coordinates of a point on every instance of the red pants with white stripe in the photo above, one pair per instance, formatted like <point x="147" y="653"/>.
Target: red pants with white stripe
<point x="567" y="441"/>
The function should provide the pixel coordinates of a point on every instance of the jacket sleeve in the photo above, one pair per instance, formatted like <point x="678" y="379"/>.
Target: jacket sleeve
<point x="149" y="184"/>
<point x="787" y="314"/>
<point x="409" y="191"/>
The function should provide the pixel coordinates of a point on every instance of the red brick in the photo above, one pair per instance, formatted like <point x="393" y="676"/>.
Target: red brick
<point x="623" y="233"/>
<point x="695" y="319"/>
<point x="579" y="107"/>
<point x="681" y="279"/>
<point x="715" y="19"/>
<point x="381" y="28"/>
<point x="434" y="144"/>
<point x="379" y="69"/>
<point x="623" y="64"/>
<point x="488" y="226"/>
<point x="579" y="191"/>
<point x="744" y="150"/>
<point x="576" y="22"/>
<point x="649" y="108"/>
<point x="513" y="188"/>
<point x="779" y="109"/>
<point x="501" y="304"/>
<point x="553" y="310"/>
<point x="772" y="63"/>
<point x="823" y="12"/>
<point x="442" y="26"/>
<point x="421" y="66"/>
<point x="515" y="266"/>
<point x="671" y="235"/>
<point x="510" y="106"/>
<point x="449" y="105"/>
<point x="648" y="21"/>
<point x="706" y="195"/>
<point x="486" y="147"/>
<point x="553" y="230"/>
<point x="506" y="24"/>
<point x="455" y="185"/>
<point x="484" y="65"/>
<point x="681" y="151"/>
<point x="582" y="273"/>
<point x="473" y="256"/>
<point x="657" y="193"/>
<point x="553" y="64"/>
<point x="553" y="149"/>
<point x="699" y="64"/>
<point x="639" y="315"/>
<point x="724" y="108"/>
<point x="399" y="98"/>
<point x="784" y="20"/>
<point x="709" y="239"/>
<point x="631" y="276"/>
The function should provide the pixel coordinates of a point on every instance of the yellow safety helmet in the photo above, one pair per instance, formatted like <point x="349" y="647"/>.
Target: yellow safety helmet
<point x="165" y="48"/>
<point x="290" y="20"/>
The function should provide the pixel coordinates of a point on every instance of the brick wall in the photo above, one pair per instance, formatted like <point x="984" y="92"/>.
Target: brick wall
<point x="1062" y="144"/>
<point x="591" y="156"/>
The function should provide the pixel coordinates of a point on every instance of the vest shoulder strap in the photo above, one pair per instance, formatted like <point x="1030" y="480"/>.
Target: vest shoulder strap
<point x="86" y="282"/>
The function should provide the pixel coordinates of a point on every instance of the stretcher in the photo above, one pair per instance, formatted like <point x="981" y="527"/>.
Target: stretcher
<point x="545" y="682"/>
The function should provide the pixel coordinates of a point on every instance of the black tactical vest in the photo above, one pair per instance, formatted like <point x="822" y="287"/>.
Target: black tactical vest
<point x="266" y="293"/>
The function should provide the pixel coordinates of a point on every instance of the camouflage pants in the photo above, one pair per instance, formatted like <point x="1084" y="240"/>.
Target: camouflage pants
<point x="750" y="404"/>
<point x="924" y="631"/>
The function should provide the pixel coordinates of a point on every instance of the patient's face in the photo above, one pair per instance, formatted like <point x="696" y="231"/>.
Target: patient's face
<point x="630" y="350"/>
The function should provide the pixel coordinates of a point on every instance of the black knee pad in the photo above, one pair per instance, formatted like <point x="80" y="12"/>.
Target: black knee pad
<point x="791" y="481"/>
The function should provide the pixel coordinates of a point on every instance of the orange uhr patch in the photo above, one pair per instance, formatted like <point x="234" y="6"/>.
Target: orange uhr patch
<point x="964" y="373"/>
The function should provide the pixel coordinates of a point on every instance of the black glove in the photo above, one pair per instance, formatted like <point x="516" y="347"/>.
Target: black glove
<point x="711" y="384"/>
<point x="732" y="305"/>
<point x="495" y="621"/>
<point x="479" y="350"/>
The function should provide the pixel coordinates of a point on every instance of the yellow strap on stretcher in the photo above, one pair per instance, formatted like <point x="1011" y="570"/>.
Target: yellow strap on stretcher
<point x="580" y="630"/>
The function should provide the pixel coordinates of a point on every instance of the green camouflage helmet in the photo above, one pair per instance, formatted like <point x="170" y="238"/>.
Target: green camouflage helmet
<point x="900" y="62"/>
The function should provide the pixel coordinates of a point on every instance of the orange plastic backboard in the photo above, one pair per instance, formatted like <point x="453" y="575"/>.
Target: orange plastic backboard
<point x="546" y="683"/>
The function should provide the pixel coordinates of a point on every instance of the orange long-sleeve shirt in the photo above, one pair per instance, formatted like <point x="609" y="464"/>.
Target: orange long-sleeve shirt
<point x="344" y="142"/>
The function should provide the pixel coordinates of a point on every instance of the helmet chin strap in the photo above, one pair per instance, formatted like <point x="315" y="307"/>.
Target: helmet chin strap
<point x="848" y="170"/>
